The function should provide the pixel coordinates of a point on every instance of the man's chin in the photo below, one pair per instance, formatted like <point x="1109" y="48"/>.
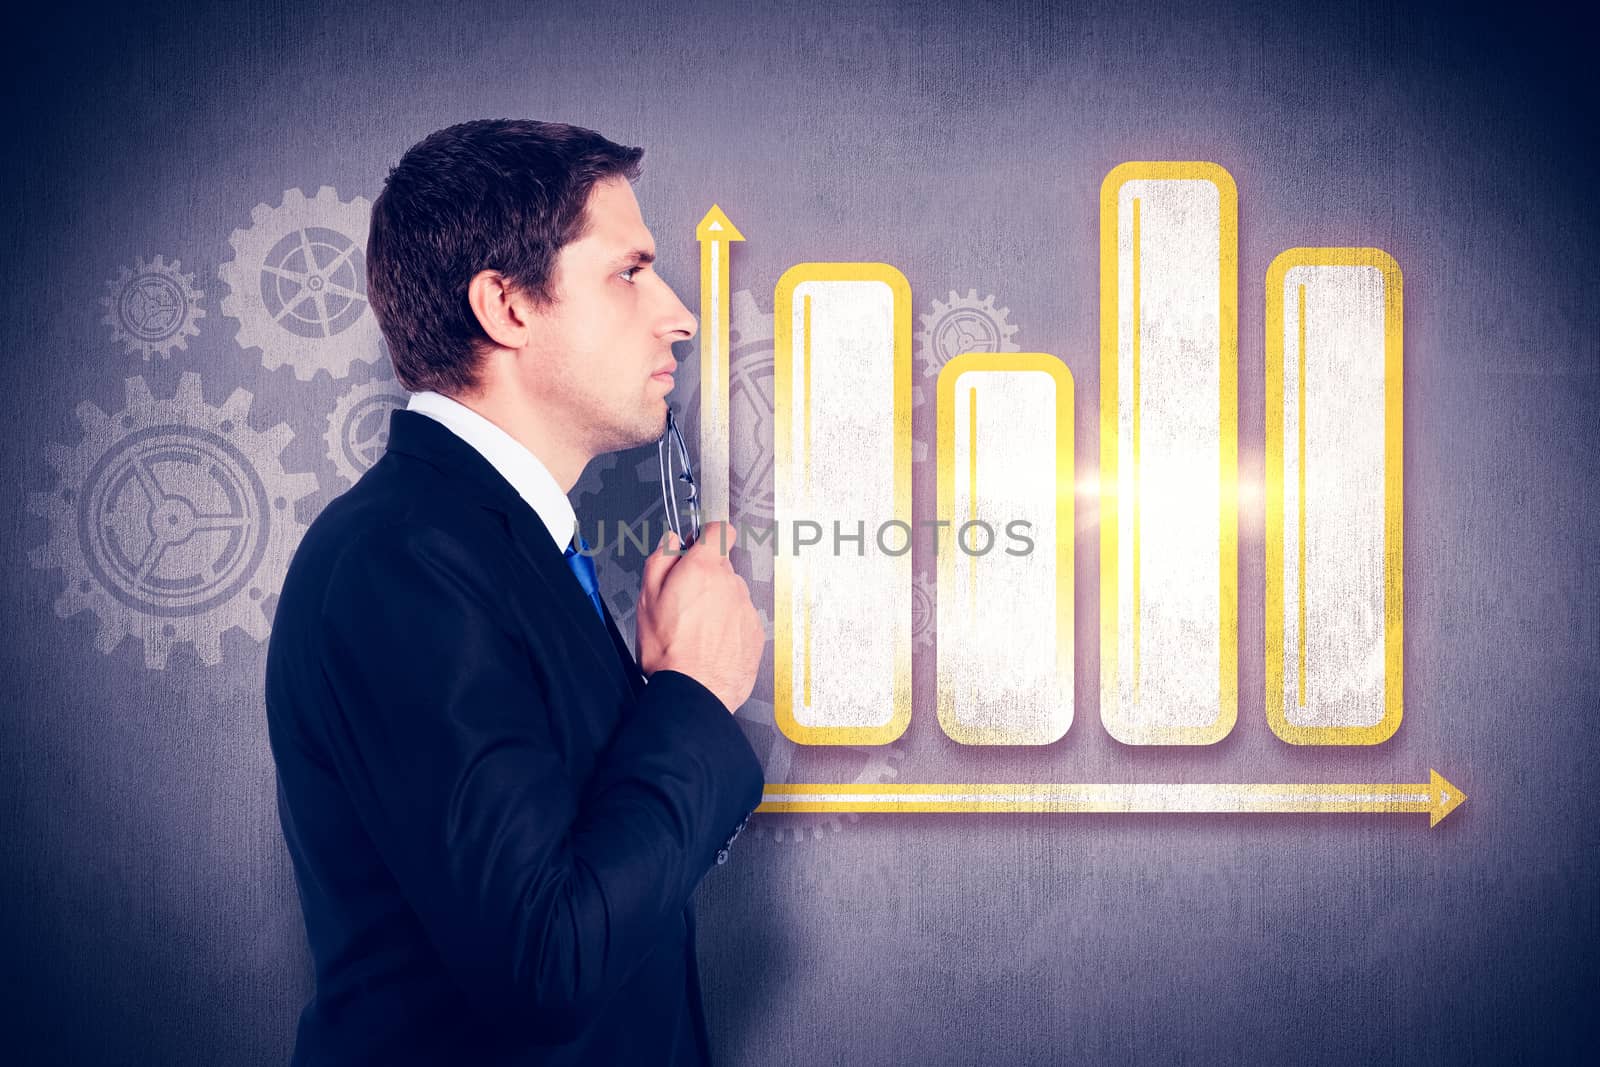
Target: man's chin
<point x="657" y="425"/>
<point x="647" y="432"/>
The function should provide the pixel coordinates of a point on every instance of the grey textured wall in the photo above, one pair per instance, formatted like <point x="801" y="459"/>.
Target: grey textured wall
<point x="146" y="903"/>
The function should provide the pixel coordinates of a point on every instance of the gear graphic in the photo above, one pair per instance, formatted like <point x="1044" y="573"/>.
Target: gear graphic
<point x="173" y="520"/>
<point x="922" y="612"/>
<point x="152" y="308"/>
<point x="586" y="493"/>
<point x="965" y="324"/>
<point x="358" y="426"/>
<point x="298" y="284"/>
<point x="872" y="765"/>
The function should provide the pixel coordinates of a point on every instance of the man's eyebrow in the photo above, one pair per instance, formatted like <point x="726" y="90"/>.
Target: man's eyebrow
<point x="637" y="255"/>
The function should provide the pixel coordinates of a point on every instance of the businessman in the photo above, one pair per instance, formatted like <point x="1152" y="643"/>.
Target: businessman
<point x="496" y="815"/>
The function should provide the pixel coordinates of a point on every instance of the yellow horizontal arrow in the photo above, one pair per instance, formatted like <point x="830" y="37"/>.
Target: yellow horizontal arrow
<point x="1436" y="796"/>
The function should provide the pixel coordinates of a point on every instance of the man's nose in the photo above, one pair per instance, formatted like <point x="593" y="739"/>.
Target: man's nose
<point x="680" y="320"/>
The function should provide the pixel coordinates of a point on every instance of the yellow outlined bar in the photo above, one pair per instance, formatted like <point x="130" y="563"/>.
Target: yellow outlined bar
<point x="1393" y="496"/>
<point x="1228" y="448"/>
<point x="789" y="468"/>
<point x="1065" y="489"/>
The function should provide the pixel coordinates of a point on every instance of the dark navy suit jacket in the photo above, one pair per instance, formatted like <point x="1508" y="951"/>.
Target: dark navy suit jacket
<point x="496" y="822"/>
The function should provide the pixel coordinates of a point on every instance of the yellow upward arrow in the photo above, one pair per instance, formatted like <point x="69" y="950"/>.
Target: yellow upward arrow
<point x="1436" y="796"/>
<point x="715" y="233"/>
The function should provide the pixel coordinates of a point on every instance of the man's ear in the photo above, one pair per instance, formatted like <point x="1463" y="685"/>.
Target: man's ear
<point x="501" y="311"/>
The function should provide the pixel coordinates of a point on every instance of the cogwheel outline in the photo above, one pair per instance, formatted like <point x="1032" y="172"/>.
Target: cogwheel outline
<point x="172" y="289"/>
<point x="354" y="404"/>
<point x="591" y="483"/>
<point x="879" y="764"/>
<point x="943" y="338"/>
<point x="309" y="256"/>
<point x="923" y="619"/>
<point x="123" y="453"/>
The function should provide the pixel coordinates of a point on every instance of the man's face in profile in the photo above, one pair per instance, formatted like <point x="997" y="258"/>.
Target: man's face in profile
<point x="599" y="347"/>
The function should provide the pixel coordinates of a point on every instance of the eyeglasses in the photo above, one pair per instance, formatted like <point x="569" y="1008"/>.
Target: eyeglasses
<point x="679" y="495"/>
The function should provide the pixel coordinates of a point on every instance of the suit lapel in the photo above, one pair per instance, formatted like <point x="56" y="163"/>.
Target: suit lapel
<point x="538" y="549"/>
<point x="631" y="665"/>
<point x="417" y="435"/>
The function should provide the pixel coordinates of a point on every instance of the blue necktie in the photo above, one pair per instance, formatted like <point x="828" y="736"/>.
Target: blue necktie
<point x="583" y="567"/>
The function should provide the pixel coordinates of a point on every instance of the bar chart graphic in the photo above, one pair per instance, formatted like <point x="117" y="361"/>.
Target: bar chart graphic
<point x="1005" y="614"/>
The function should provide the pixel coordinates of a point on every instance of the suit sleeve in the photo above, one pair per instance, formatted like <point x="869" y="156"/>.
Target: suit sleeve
<point x="541" y="893"/>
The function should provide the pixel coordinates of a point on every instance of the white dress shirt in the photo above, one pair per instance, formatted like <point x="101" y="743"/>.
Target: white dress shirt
<point x="531" y="478"/>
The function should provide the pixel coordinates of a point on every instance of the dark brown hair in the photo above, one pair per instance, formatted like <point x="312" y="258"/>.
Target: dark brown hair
<point x="495" y="194"/>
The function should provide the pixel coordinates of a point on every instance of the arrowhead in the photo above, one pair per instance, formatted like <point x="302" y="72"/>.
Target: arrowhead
<point x="1443" y="798"/>
<point x="716" y="227"/>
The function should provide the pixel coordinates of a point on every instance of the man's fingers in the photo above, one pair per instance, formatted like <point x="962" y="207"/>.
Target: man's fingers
<point x="658" y="563"/>
<point x="718" y="537"/>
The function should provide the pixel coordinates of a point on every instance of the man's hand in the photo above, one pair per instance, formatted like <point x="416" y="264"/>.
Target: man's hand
<point x="695" y="616"/>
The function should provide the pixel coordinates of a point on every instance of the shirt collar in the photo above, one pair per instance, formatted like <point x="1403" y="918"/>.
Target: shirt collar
<point x="530" y="478"/>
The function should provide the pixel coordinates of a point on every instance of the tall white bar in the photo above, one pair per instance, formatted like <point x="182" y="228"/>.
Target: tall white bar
<point x="1169" y="453"/>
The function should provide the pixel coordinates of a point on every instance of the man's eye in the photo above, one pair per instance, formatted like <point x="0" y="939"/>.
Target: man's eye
<point x="636" y="266"/>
